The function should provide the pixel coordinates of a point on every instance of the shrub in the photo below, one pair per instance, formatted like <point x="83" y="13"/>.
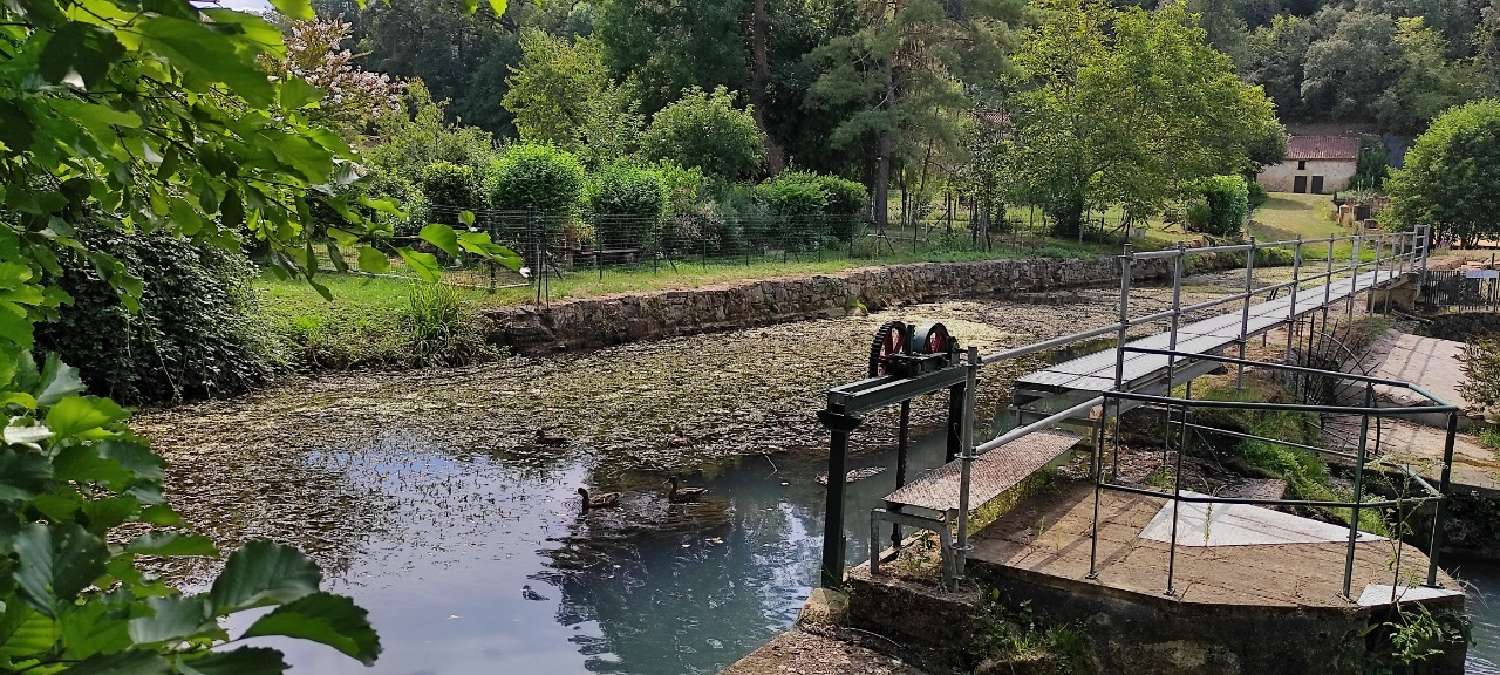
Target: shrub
<point x="439" y="326"/>
<point x="537" y="177"/>
<point x="706" y="131"/>
<point x="193" y="337"/>
<point x="794" y="195"/>
<point x="627" y="202"/>
<point x="1258" y="196"/>
<point x="407" y="195"/>
<point x="449" y="188"/>
<point x="1220" y="207"/>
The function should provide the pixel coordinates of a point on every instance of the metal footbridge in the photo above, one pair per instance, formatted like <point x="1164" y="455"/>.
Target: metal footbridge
<point x="1065" y="405"/>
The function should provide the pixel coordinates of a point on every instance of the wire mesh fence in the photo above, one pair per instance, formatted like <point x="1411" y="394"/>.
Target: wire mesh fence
<point x="554" y="248"/>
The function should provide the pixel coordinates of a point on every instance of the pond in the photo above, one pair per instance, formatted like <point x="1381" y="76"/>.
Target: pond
<point x="503" y="573"/>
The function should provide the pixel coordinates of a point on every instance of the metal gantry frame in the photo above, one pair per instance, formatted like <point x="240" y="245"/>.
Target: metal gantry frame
<point x="847" y="405"/>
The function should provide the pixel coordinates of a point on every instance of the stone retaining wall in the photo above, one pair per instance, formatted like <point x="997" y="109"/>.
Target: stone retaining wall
<point x="598" y="322"/>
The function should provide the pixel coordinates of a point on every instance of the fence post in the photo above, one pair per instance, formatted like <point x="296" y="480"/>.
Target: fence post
<point x="1359" y="485"/>
<point x="1239" y="378"/>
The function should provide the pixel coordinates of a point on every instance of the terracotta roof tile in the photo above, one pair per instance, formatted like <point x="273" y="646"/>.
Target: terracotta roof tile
<point x="1322" y="147"/>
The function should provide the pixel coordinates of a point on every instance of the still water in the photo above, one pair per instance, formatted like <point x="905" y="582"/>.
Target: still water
<point x="487" y="568"/>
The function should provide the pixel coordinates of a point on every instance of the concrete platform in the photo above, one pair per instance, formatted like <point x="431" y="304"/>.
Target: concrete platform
<point x="1241" y="609"/>
<point x="1475" y="467"/>
<point x="1046" y="539"/>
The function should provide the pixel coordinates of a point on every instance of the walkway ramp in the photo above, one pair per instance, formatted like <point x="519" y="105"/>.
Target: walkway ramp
<point x="1089" y="375"/>
<point x="993" y="473"/>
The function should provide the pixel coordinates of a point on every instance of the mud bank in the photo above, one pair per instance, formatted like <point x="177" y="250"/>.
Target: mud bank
<point x="596" y="322"/>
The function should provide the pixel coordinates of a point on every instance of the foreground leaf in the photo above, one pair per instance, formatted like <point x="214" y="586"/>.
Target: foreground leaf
<point x="57" y="563"/>
<point x="441" y="236"/>
<point x="174" y="618"/>
<point x="122" y="663"/>
<point x="76" y="414"/>
<point x="329" y="619"/>
<point x="263" y="573"/>
<point x="242" y="661"/>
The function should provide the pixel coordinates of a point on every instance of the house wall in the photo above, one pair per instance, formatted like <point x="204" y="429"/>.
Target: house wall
<point x="1337" y="174"/>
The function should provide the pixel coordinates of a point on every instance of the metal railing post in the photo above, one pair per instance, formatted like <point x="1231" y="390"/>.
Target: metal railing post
<point x="1097" y="456"/>
<point x="1239" y="379"/>
<point x="1328" y="283"/>
<point x="1375" y="280"/>
<point x="1127" y="269"/>
<point x="1444" y="483"/>
<point x="1177" y="481"/>
<point x="1359" y="486"/>
<point x="1177" y="265"/>
<point x="961" y="549"/>
<point x="1354" y="265"/>
<point x="1291" y="317"/>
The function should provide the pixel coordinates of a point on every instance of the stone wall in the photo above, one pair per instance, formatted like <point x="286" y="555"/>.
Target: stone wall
<point x="598" y="322"/>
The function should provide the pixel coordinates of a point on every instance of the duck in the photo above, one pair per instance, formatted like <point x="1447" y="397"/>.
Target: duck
<point x="602" y="500"/>
<point x="684" y="495"/>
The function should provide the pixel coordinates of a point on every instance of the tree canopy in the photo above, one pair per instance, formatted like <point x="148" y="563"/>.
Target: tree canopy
<point x="1451" y="178"/>
<point x="1088" y="127"/>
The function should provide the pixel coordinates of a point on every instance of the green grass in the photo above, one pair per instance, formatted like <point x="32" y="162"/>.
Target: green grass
<point x="1305" y="472"/>
<point x="367" y="323"/>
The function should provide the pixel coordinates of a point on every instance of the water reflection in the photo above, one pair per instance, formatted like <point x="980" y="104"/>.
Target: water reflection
<point x="484" y="566"/>
<point x="1484" y="610"/>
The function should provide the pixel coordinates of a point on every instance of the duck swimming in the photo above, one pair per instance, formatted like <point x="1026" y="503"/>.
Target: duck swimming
<point x="602" y="500"/>
<point x="684" y="495"/>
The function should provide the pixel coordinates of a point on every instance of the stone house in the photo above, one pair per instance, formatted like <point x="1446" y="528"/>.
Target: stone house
<point x="1315" y="164"/>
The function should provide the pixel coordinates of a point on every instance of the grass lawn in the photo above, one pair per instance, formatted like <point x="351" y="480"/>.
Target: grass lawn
<point x="365" y="322"/>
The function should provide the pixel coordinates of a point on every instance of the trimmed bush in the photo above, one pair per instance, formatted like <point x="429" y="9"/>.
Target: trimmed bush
<point x="627" y="202"/>
<point x="193" y="337"/>
<point x="804" y="196"/>
<point x="1220" y="209"/>
<point x="537" y="177"/>
<point x="449" y="188"/>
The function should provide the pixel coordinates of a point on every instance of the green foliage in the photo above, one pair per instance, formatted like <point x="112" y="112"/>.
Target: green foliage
<point x="192" y="336"/>
<point x="562" y="95"/>
<point x="627" y="201"/>
<point x="1419" y="635"/>
<point x="539" y="177"/>
<point x="1373" y="166"/>
<point x="1482" y="366"/>
<point x="440" y="326"/>
<point x="1257" y="195"/>
<point x="155" y="119"/>
<point x="1089" y="126"/>
<point x="706" y="131"/>
<point x="836" y="202"/>
<point x="1221" y="206"/>
<point x="1451" y="177"/>
<point x="1017" y="638"/>
<point x="452" y="186"/>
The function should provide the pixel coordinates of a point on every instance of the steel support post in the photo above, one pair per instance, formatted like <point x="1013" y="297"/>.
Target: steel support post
<point x="1239" y="379"/>
<point x="1177" y="481"/>
<point x="971" y="384"/>
<point x="1177" y="265"/>
<point x="1328" y="283"/>
<point x="1127" y="268"/>
<point x="833" y="509"/>
<point x="1359" y="487"/>
<point x="903" y="443"/>
<point x="1291" y="317"/>
<point x="1444" y="483"/>
<point x="1354" y="265"/>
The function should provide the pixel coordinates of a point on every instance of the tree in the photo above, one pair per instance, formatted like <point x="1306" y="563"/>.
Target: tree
<point x="1348" y="68"/>
<point x="1428" y="84"/>
<point x="1274" y="59"/>
<point x="1125" y="107"/>
<point x="158" y="120"/>
<point x="901" y="76"/>
<point x="462" y="56"/>
<point x="562" y="94"/>
<point x="705" y="130"/>
<point x="352" y="97"/>
<point x="1451" y="176"/>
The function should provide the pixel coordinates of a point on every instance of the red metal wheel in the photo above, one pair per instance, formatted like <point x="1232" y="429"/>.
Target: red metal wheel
<point x="890" y="340"/>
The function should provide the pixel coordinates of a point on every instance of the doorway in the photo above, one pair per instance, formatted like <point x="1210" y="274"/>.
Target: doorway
<point x="1299" y="184"/>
